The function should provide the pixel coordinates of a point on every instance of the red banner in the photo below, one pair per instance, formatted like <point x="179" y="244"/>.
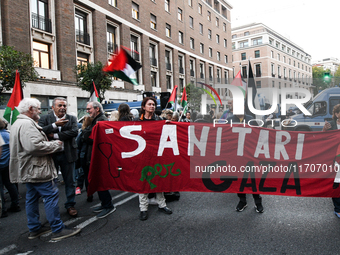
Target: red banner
<point x="145" y="157"/>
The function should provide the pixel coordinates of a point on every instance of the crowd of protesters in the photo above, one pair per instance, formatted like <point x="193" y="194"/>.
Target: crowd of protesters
<point x="37" y="148"/>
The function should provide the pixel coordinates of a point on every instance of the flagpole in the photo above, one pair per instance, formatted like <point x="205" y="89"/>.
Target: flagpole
<point x="183" y="112"/>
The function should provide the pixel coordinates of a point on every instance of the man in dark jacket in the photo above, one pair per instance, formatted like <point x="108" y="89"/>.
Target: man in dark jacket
<point x="95" y="111"/>
<point x="58" y="125"/>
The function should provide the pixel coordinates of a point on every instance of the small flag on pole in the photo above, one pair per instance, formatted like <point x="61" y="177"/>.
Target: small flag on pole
<point x="94" y="93"/>
<point x="123" y="66"/>
<point x="238" y="81"/>
<point x="184" y="101"/>
<point x="11" y="112"/>
<point x="173" y="98"/>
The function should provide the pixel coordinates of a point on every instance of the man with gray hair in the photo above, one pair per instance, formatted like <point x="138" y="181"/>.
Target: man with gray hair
<point x="58" y="125"/>
<point x="95" y="111"/>
<point x="31" y="163"/>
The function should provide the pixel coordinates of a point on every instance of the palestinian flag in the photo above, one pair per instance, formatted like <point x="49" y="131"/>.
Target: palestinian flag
<point x="94" y="93"/>
<point x="238" y="81"/>
<point x="123" y="66"/>
<point x="173" y="99"/>
<point x="11" y="112"/>
<point x="184" y="101"/>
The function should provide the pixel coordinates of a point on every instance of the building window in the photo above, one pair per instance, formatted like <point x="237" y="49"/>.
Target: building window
<point x="153" y="79"/>
<point x="218" y="56"/>
<point x="180" y="37"/>
<point x="218" y="76"/>
<point x="192" y="43"/>
<point x="209" y="34"/>
<point x="271" y="54"/>
<point x="226" y="59"/>
<point x="224" y="27"/>
<point x="209" y="15"/>
<point x="180" y="14"/>
<point x="153" y="21"/>
<point x="258" y="84"/>
<point x="168" y="82"/>
<point x="278" y="56"/>
<point x="111" y="38"/>
<point x="152" y="54"/>
<point x="217" y="39"/>
<point x="200" y="9"/>
<point x="243" y="56"/>
<point x="201" y="48"/>
<point x="258" y="70"/>
<point x="257" y="41"/>
<point x="192" y="67"/>
<point x="180" y="64"/>
<point x="210" y="52"/>
<point x="191" y="22"/>
<point x="134" y="45"/>
<point x="135" y="11"/>
<point x="113" y="3"/>
<point x="201" y="70"/>
<point x="284" y="59"/>
<point x="40" y="17"/>
<point x="201" y="28"/>
<point x="168" y="60"/>
<point x="217" y="22"/>
<point x="272" y="69"/>
<point x="167" y="5"/>
<point x="257" y="54"/>
<point x="82" y="58"/>
<point x="246" y="33"/>
<point x="233" y="46"/>
<point x="243" y="44"/>
<point x="211" y="73"/>
<point x="81" y="28"/>
<point x="233" y="36"/>
<point x="190" y="2"/>
<point x="41" y="55"/>
<point x="167" y="30"/>
<point x="225" y="43"/>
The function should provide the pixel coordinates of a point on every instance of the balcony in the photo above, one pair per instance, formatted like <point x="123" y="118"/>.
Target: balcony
<point x="181" y="70"/>
<point x="273" y="74"/>
<point x="111" y="47"/>
<point x="279" y="76"/>
<point x="210" y="78"/>
<point x="41" y="22"/>
<point x="82" y="37"/>
<point x="168" y="66"/>
<point x="153" y="61"/>
<point x="192" y="73"/>
<point x="258" y="75"/>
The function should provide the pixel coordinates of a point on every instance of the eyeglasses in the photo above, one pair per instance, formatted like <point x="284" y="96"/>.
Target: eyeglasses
<point x="62" y="105"/>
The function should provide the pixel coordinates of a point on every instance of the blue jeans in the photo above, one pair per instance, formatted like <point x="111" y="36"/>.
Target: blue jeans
<point x="336" y="203"/>
<point x="67" y="170"/>
<point x="50" y="194"/>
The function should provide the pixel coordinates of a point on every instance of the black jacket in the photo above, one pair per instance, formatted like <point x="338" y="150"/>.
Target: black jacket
<point x="67" y="134"/>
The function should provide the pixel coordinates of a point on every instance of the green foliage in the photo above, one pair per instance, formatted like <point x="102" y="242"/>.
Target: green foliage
<point x="12" y="60"/>
<point x="337" y="73"/>
<point x="194" y="97"/>
<point x="93" y="72"/>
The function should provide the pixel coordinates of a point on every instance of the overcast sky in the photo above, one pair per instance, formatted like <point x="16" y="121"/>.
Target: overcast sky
<point x="312" y="25"/>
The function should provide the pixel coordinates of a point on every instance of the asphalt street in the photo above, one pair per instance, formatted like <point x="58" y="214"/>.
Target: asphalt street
<point x="201" y="223"/>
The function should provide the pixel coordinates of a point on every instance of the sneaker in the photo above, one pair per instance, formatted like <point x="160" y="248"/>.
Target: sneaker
<point x="152" y="201"/>
<point x="105" y="212"/>
<point x="143" y="215"/>
<point x="259" y="208"/>
<point x="41" y="231"/>
<point x="98" y="209"/>
<point x="14" y="208"/>
<point x="66" y="232"/>
<point x="78" y="191"/>
<point x="337" y="214"/>
<point x="241" y="206"/>
<point x="165" y="210"/>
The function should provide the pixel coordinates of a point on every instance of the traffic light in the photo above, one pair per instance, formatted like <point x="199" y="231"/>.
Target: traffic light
<point x="326" y="76"/>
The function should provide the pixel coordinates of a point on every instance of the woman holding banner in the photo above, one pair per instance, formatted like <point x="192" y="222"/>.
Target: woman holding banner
<point x="148" y="108"/>
<point x="333" y="125"/>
